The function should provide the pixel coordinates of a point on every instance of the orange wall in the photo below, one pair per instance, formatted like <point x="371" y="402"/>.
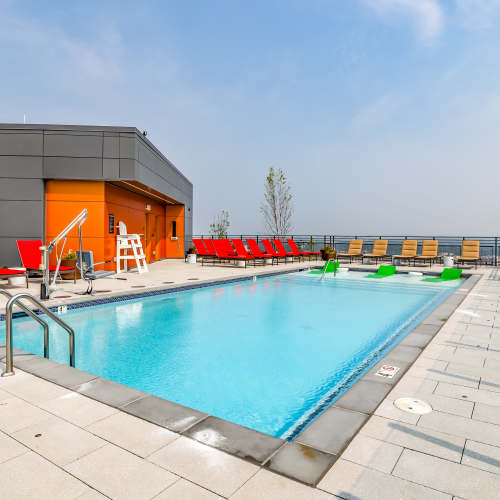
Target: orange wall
<point x="65" y="199"/>
<point x="130" y="208"/>
<point x="175" y="248"/>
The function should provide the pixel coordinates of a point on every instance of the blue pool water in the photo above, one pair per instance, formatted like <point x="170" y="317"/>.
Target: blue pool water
<point x="265" y="354"/>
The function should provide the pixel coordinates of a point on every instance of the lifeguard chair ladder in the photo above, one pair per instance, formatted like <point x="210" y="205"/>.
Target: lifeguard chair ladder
<point x="126" y="242"/>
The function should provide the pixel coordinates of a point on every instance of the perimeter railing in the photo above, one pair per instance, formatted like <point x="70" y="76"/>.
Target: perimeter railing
<point x="489" y="245"/>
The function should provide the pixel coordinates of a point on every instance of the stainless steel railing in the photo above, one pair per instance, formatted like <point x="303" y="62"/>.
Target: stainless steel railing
<point x="9" y="365"/>
<point x="37" y="318"/>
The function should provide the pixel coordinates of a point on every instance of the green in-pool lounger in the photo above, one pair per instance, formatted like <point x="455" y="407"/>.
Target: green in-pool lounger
<point x="447" y="275"/>
<point x="383" y="272"/>
<point x="332" y="267"/>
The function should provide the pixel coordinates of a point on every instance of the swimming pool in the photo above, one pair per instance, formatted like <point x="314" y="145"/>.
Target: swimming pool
<point x="264" y="354"/>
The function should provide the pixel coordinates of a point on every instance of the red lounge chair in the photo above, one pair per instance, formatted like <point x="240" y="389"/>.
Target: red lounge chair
<point x="201" y="249"/>
<point x="240" y="248"/>
<point x="282" y="250"/>
<point x="257" y="252"/>
<point x="270" y="249"/>
<point x="209" y="243"/>
<point x="294" y="248"/>
<point x="226" y="244"/>
<point x="223" y="254"/>
<point x="31" y="257"/>
<point x="9" y="273"/>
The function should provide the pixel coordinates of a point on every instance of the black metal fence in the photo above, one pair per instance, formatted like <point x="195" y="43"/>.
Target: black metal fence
<point x="489" y="245"/>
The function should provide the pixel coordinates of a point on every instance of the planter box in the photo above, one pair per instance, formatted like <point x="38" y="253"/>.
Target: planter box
<point x="69" y="263"/>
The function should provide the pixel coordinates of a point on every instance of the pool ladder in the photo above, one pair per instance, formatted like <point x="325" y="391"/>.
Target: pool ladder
<point x="15" y="299"/>
<point x="326" y="267"/>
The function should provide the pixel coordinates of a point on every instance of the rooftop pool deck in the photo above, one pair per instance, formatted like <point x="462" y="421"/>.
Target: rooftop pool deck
<point x="88" y="429"/>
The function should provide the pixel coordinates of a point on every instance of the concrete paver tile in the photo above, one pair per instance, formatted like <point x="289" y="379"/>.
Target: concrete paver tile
<point x="58" y="441"/>
<point x="372" y="453"/>
<point x="120" y="474"/>
<point x="355" y="482"/>
<point x="414" y="437"/>
<point x="455" y="479"/>
<point x="30" y="476"/>
<point x="266" y="485"/>
<point x="213" y="469"/>
<point x="132" y="433"/>
<point x="78" y="409"/>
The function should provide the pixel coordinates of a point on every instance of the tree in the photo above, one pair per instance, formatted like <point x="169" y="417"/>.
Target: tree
<point x="220" y="226"/>
<point x="277" y="208"/>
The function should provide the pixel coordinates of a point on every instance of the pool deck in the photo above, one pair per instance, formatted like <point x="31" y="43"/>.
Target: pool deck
<point x="62" y="442"/>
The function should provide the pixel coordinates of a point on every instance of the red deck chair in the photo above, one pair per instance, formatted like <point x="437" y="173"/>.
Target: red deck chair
<point x="9" y="273"/>
<point x="223" y="254"/>
<point x="209" y="243"/>
<point x="270" y="249"/>
<point x="282" y="250"/>
<point x="201" y="249"/>
<point x="226" y="244"/>
<point x="294" y="248"/>
<point x="240" y="248"/>
<point x="257" y="252"/>
<point x="31" y="257"/>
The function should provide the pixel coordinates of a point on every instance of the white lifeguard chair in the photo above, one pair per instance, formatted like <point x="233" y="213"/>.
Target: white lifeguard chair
<point x="126" y="242"/>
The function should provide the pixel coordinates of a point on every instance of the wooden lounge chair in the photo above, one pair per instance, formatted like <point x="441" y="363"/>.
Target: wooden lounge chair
<point x="379" y="251"/>
<point x="408" y="250"/>
<point x="429" y="252"/>
<point x="354" y="251"/>
<point x="470" y="252"/>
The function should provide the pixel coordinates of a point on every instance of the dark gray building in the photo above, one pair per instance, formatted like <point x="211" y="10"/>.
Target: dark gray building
<point x="48" y="173"/>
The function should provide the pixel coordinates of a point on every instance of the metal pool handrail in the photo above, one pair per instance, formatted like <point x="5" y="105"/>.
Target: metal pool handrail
<point x="9" y="370"/>
<point x="37" y="318"/>
<point x="326" y="268"/>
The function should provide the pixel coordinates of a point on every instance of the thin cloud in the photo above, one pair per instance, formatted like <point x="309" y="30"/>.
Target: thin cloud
<point x="478" y="14"/>
<point x="376" y="113"/>
<point x="426" y="15"/>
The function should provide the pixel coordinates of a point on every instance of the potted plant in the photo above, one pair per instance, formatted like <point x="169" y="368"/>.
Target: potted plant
<point x="191" y="256"/>
<point x="328" y="252"/>
<point x="69" y="260"/>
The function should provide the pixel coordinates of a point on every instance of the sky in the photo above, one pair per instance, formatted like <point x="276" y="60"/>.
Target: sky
<point x="384" y="114"/>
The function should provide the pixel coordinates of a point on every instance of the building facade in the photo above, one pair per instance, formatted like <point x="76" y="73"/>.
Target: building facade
<point x="49" y="173"/>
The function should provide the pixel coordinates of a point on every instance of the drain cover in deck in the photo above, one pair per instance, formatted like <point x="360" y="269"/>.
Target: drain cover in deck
<point x="411" y="405"/>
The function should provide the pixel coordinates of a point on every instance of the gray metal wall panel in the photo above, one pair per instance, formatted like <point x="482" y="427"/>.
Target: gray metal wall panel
<point x="127" y="169"/>
<point x="156" y="164"/>
<point x="21" y="189"/>
<point x="9" y="255"/>
<point x="71" y="145"/>
<point x="128" y="145"/>
<point x="153" y="180"/>
<point x="21" y="166"/>
<point x="72" y="168"/>
<point x="21" y="143"/>
<point x="111" y="146"/>
<point x="27" y="221"/>
<point x="111" y="168"/>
